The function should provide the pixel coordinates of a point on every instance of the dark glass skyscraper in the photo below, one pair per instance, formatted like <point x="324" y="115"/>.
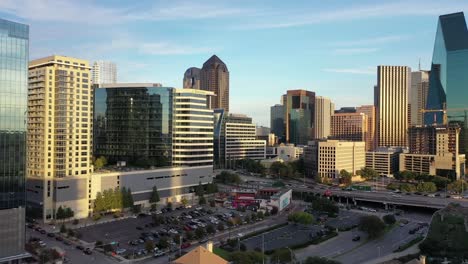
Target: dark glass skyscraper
<point x="299" y="114"/>
<point x="448" y="82"/>
<point x="133" y="124"/>
<point x="214" y="77"/>
<point x="14" y="46"/>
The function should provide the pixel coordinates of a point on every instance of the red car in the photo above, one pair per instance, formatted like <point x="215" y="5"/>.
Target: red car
<point x="185" y="245"/>
<point x="187" y="228"/>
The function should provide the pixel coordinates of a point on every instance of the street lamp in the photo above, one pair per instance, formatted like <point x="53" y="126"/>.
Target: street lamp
<point x="292" y="254"/>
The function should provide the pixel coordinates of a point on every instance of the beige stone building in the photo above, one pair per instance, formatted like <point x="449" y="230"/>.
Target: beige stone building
<point x="335" y="155"/>
<point x="59" y="138"/>
<point x="324" y="109"/>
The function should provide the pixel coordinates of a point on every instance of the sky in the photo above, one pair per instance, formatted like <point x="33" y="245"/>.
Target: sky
<point x="269" y="46"/>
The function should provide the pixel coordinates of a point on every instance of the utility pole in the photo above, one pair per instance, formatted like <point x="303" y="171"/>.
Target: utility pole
<point x="263" y="248"/>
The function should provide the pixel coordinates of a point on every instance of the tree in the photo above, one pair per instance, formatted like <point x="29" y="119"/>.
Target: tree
<point x="68" y="213"/>
<point x="200" y="232"/>
<point x="149" y="245"/>
<point x="274" y="210"/>
<point x="100" y="162"/>
<point x="211" y="229"/>
<point x="301" y="218"/>
<point x="325" y="205"/>
<point x="346" y="177"/>
<point x="260" y="215"/>
<point x="228" y="178"/>
<point x="389" y="219"/>
<point x="189" y="235"/>
<point x="163" y="243"/>
<point x="247" y="257"/>
<point x="60" y="214"/>
<point x="129" y="198"/>
<point x="202" y="200"/>
<point x="211" y="188"/>
<point x="320" y="260"/>
<point x="282" y="255"/>
<point x="63" y="229"/>
<point x="426" y="187"/>
<point x="393" y="186"/>
<point x="184" y="201"/>
<point x="405" y="175"/>
<point x="372" y="225"/>
<point x="368" y="173"/>
<point x="458" y="186"/>
<point x="220" y="226"/>
<point x="154" y="198"/>
<point x="406" y="187"/>
<point x="200" y="191"/>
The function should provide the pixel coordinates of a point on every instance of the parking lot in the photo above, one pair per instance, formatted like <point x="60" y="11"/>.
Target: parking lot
<point x="283" y="237"/>
<point x="346" y="220"/>
<point x="129" y="236"/>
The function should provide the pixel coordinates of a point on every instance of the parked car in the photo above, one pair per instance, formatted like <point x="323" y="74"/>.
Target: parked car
<point x="356" y="238"/>
<point x="120" y="251"/>
<point x="158" y="253"/>
<point x="80" y="247"/>
<point x="185" y="245"/>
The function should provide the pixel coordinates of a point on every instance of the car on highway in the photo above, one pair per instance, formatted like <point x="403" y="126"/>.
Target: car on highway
<point x="158" y="253"/>
<point x="456" y="197"/>
<point x="185" y="245"/>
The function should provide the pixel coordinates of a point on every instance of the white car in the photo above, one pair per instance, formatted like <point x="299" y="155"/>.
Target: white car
<point x="431" y="195"/>
<point x="173" y="231"/>
<point x="158" y="212"/>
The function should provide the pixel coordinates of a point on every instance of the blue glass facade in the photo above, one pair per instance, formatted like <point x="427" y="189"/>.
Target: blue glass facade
<point x="14" y="46"/>
<point x="134" y="124"/>
<point x="448" y="83"/>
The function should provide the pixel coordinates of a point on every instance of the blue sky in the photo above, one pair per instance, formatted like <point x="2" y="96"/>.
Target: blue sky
<point x="270" y="46"/>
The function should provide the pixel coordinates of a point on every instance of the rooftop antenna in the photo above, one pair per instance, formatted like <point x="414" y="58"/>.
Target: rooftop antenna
<point x="419" y="65"/>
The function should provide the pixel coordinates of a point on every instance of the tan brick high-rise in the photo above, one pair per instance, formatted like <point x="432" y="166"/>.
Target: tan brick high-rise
<point x="391" y="103"/>
<point x="59" y="134"/>
<point x="214" y="77"/>
<point x="369" y="110"/>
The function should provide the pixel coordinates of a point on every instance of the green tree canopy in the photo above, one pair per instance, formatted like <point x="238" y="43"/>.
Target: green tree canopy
<point x="427" y="187"/>
<point x="346" y="177"/>
<point x="320" y="260"/>
<point x="368" y="173"/>
<point x="247" y="257"/>
<point x="372" y="225"/>
<point x="281" y="255"/>
<point x="100" y="162"/>
<point x="227" y="177"/>
<point x="154" y="198"/>
<point x="389" y="219"/>
<point x="325" y="205"/>
<point x="458" y="186"/>
<point x="301" y="218"/>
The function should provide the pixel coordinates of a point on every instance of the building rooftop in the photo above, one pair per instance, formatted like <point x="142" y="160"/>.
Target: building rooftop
<point x="200" y="255"/>
<point x="454" y="31"/>
<point x="129" y="85"/>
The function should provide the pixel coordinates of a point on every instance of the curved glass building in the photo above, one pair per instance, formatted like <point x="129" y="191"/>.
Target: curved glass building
<point x="448" y="83"/>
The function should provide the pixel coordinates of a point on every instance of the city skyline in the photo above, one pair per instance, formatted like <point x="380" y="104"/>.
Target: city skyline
<point x="333" y="52"/>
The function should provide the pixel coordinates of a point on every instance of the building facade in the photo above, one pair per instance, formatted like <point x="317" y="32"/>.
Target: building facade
<point x="277" y="121"/>
<point x="299" y="116"/>
<point x="448" y="79"/>
<point x="385" y="161"/>
<point x="104" y="72"/>
<point x="235" y="139"/>
<point x="324" y="109"/>
<point x="391" y="103"/>
<point x="145" y="125"/>
<point x="59" y="134"/>
<point x="350" y="127"/>
<point x="418" y="97"/>
<point x="335" y="155"/>
<point x="14" y="55"/>
<point x="369" y="110"/>
<point x="192" y="78"/>
<point x="214" y="77"/>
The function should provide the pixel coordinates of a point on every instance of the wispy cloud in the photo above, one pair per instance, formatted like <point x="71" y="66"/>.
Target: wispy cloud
<point x="162" y="48"/>
<point x="371" y="41"/>
<point x="365" y="71"/>
<point x="353" y="51"/>
<point x="294" y="18"/>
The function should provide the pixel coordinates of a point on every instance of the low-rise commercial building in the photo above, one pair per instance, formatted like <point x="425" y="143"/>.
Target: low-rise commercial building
<point x="334" y="156"/>
<point x="384" y="160"/>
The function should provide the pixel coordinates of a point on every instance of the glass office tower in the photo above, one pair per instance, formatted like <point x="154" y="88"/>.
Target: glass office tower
<point x="133" y="124"/>
<point x="448" y="82"/>
<point x="14" y="46"/>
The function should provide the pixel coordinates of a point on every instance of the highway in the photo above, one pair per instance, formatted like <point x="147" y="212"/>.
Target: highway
<point x="389" y="198"/>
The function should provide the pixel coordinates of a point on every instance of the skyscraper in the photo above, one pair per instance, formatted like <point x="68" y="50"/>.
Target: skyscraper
<point x="324" y="109"/>
<point x="391" y="103"/>
<point x="350" y="127"/>
<point x="14" y="46"/>
<point x="214" y="77"/>
<point x="277" y="121"/>
<point x="299" y="116"/>
<point x="448" y="81"/>
<point x="192" y="78"/>
<point x="369" y="110"/>
<point x="60" y="107"/>
<point x="104" y="72"/>
<point x="417" y="97"/>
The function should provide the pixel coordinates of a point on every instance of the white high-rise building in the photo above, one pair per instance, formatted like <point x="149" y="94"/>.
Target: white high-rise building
<point x="324" y="109"/>
<point x="104" y="72"/>
<point x="418" y="96"/>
